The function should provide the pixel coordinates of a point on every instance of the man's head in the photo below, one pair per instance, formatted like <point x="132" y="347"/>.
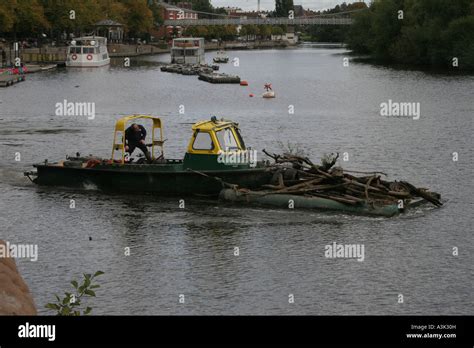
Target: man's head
<point x="135" y="127"/>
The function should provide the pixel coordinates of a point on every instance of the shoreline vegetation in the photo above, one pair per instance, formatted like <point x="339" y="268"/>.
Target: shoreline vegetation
<point x="422" y="34"/>
<point x="433" y="35"/>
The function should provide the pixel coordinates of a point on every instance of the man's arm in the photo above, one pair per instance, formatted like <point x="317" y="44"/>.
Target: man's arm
<point x="143" y="132"/>
<point x="127" y="133"/>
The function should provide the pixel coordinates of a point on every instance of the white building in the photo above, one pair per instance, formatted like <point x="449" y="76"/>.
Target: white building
<point x="291" y="37"/>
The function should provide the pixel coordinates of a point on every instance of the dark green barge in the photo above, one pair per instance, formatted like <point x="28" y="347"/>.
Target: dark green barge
<point x="168" y="179"/>
<point x="216" y="154"/>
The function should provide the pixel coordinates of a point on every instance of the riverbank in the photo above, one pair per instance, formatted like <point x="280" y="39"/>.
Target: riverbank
<point x="58" y="54"/>
<point x="429" y="69"/>
<point x="15" y="295"/>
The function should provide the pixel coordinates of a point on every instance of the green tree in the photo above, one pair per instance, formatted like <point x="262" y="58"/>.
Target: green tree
<point x="359" y="36"/>
<point x="139" y="17"/>
<point x="156" y="10"/>
<point x="202" y="6"/>
<point x="243" y="32"/>
<point x="230" y="32"/>
<point x="265" y="31"/>
<point x="277" y="30"/>
<point x="202" y="31"/>
<point x="71" y="16"/>
<point x="71" y="304"/>
<point x="7" y="16"/>
<point x="385" y="27"/>
<point x="29" y="18"/>
<point x="251" y="30"/>
<point x="460" y="41"/>
<point x="416" y="32"/>
<point x="283" y="8"/>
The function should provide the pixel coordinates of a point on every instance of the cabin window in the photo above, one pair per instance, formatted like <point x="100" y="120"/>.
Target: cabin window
<point x="178" y="53"/>
<point x="203" y="141"/>
<point x="75" y="50"/>
<point x="227" y="140"/>
<point x="241" y="140"/>
<point x="88" y="50"/>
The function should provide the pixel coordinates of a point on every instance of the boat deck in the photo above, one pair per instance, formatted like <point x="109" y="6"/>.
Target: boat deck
<point x="219" y="78"/>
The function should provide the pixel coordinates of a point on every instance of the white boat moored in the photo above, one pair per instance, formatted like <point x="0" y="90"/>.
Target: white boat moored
<point x="88" y="51"/>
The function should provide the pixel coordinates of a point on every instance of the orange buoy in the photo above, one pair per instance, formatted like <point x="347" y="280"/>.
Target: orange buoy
<point x="251" y="95"/>
<point x="244" y="83"/>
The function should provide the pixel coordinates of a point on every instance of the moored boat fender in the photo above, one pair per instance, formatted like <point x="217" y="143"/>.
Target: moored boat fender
<point x="92" y="163"/>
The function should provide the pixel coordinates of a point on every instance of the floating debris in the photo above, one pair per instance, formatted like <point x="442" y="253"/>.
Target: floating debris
<point x="298" y="181"/>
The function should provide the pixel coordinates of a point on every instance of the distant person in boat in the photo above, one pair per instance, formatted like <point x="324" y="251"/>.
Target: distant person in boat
<point x="135" y="137"/>
<point x="4" y="59"/>
<point x="268" y="87"/>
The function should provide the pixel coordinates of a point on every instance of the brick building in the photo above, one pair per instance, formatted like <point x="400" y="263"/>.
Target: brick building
<point x="182" y="10"/>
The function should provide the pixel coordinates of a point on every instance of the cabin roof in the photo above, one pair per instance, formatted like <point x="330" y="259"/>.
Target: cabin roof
<point x="210" y="125"/>
<point x="122" y="123"/>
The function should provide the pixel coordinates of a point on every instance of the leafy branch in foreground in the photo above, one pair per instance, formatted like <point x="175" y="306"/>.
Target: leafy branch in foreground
<point x="71" y="304"/>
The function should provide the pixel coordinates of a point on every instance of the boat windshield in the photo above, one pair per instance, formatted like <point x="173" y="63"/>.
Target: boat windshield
<point x="227" y="140"/>
<point x="203" y="141"/>
<point x="84" y="50"/>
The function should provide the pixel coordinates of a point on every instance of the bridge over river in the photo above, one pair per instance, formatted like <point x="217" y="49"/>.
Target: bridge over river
<point x="261" y="21"/>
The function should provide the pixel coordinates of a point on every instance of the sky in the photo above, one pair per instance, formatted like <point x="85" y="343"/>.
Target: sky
<point x="270" y="4"/>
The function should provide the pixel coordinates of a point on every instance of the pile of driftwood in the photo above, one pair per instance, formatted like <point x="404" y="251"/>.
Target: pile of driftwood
<point x="297" y="175"/>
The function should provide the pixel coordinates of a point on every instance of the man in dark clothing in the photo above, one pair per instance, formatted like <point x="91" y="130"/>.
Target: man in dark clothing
<point x="135" y="137"/>
<point x="4" y="58"/>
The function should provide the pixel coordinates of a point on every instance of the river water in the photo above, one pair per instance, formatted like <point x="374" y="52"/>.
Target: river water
<point x="190" y="251"/>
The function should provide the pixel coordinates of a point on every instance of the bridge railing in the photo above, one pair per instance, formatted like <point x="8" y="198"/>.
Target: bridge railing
<point x="261" y="21"/>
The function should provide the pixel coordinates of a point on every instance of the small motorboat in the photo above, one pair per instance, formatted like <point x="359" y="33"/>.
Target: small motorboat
<point x="221" y="57"/>
<point x="201" y="171"/>
<point x="20" y="70"/>
<point x="87" y="52"/>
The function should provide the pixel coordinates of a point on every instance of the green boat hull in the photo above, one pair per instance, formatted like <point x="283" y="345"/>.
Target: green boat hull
<point x="159" y="179"/>
<point x="303" y="202"/>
